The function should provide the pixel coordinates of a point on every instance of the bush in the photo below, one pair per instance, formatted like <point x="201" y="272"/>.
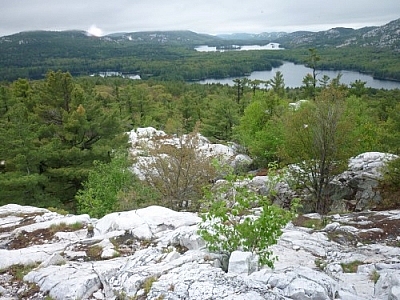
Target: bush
<point x="105" y="183"/>
<point x="178" y="171"/>
<point x="236" y="218"/>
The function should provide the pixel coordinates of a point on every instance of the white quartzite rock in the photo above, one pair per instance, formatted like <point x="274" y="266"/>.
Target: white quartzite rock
<point x="242" y="263"/>
<point x="192" y="273"/>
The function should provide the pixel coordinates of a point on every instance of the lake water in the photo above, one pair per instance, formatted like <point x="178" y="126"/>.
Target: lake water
<point x="270" y="46"/>
<point x="293" y="75"/>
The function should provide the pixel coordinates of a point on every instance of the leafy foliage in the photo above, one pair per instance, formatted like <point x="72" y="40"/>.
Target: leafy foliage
<point x="259" y="129"/>
<point x="105" y="183"/>
<point x="52" y="130"/>
<point x="232" y="222"/>
<point x="392" y="129"/>
<point x="222" y="116"/>
<point x="178" y="171"/>
<point x="317" y="141"/>
<point x="392" y="176"/>
<point x="390" y="185"/>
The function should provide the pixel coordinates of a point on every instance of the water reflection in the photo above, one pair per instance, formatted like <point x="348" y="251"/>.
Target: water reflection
<point x="293" y="75"/>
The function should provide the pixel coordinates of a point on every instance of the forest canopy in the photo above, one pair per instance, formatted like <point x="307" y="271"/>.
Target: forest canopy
<point x="53" y="130"/>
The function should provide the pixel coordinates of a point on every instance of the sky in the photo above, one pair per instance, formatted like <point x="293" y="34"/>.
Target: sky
<point x="103" y="17"/>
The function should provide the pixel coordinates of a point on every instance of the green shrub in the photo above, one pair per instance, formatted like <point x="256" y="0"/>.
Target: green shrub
<point x="392" y="176"/>
<point x="18" y="271"/>
<point x="66" y="227"/>
<point x="229" y="222"/>
<point x="178" y="172"/>
<point x="104" y="186"/>
<point x="320" y="264"/>
<point x="58" y="210"/>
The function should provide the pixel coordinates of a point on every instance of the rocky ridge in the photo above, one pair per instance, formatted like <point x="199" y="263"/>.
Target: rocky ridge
<point x="156" y="253"/>
<point x="355" y="189"/>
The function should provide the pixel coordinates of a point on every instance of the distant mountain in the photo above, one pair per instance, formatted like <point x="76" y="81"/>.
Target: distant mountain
<point x="31" y="54"/>
<point x="253" y="36"/>
<point x="170" y="37"/>
<point x="386" y="36"/>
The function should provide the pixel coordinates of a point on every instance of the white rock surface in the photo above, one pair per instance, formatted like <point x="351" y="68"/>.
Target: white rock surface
<point x="161" y="255"/>
<point x="242" y="263"/>
<point x="141" y="138"/>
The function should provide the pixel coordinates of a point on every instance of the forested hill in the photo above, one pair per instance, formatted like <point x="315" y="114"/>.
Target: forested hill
<point x="170" y="54"/>
<point x="386" y="36"/>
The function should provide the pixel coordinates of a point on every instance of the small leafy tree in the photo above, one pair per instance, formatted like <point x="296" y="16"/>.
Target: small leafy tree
<point x="318" y="141"/>
<point x="237" y="218"/>
<point x="178" y="170"/>
<point x="391" y="136"/>
<point x="222" y="115"/>
<point x="259" y="129"/>
<point x="104" y="185"/>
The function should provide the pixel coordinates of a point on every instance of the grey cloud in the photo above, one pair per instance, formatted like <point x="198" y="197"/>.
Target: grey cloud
<point x="204" y="16"/>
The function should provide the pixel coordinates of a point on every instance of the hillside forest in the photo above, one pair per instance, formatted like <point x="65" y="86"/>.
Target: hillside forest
<point x="172" y="56"/>
<point x="55" y="131"/>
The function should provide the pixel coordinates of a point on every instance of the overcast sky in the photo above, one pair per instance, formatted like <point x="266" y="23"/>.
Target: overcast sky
<point x="201" y="16"/>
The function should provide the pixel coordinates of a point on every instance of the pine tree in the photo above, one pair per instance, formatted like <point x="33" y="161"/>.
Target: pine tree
<point x="56" y="130"/>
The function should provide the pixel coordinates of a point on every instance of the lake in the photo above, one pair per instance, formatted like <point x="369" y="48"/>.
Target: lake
<point x="270" y="46"/>
<point x="293" y="75"/>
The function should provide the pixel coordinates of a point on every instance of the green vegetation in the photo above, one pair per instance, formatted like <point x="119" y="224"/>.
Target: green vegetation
<point x="351" y="267"/>
<point x="315" y="224"/>
<point x="320" y="264"/>
<point x="105" y="183"/>
<point x="62" y="141"/>
<point x="65" y="227"/>
<point x="229" y="223"/>
<point x="58" y="210"/>
<point x="50" y="132"/>
<point x="19" y="271"/>
<point x="374" y="276"/>
<point x="390" y="185"/>
<point x="178" y="172"/>
<point x="317" y="138"/>
<point x="148" y="283"/>
<point x="259" y="129"/>
<point x="94" y="252"/>
<point x="171" y="56"/>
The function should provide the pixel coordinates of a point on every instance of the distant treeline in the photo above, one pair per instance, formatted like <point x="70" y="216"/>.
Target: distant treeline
<point x="33" y="58"/>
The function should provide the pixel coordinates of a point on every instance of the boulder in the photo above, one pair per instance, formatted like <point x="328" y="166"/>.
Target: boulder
<point x="242" y="263"/>
<point x="388" y="285"/>
<point x="358" y="185"/>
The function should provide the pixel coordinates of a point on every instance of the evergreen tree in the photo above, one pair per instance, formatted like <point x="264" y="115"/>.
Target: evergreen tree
<point x="223" y="115"/>
<point x="54" y="133"/>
